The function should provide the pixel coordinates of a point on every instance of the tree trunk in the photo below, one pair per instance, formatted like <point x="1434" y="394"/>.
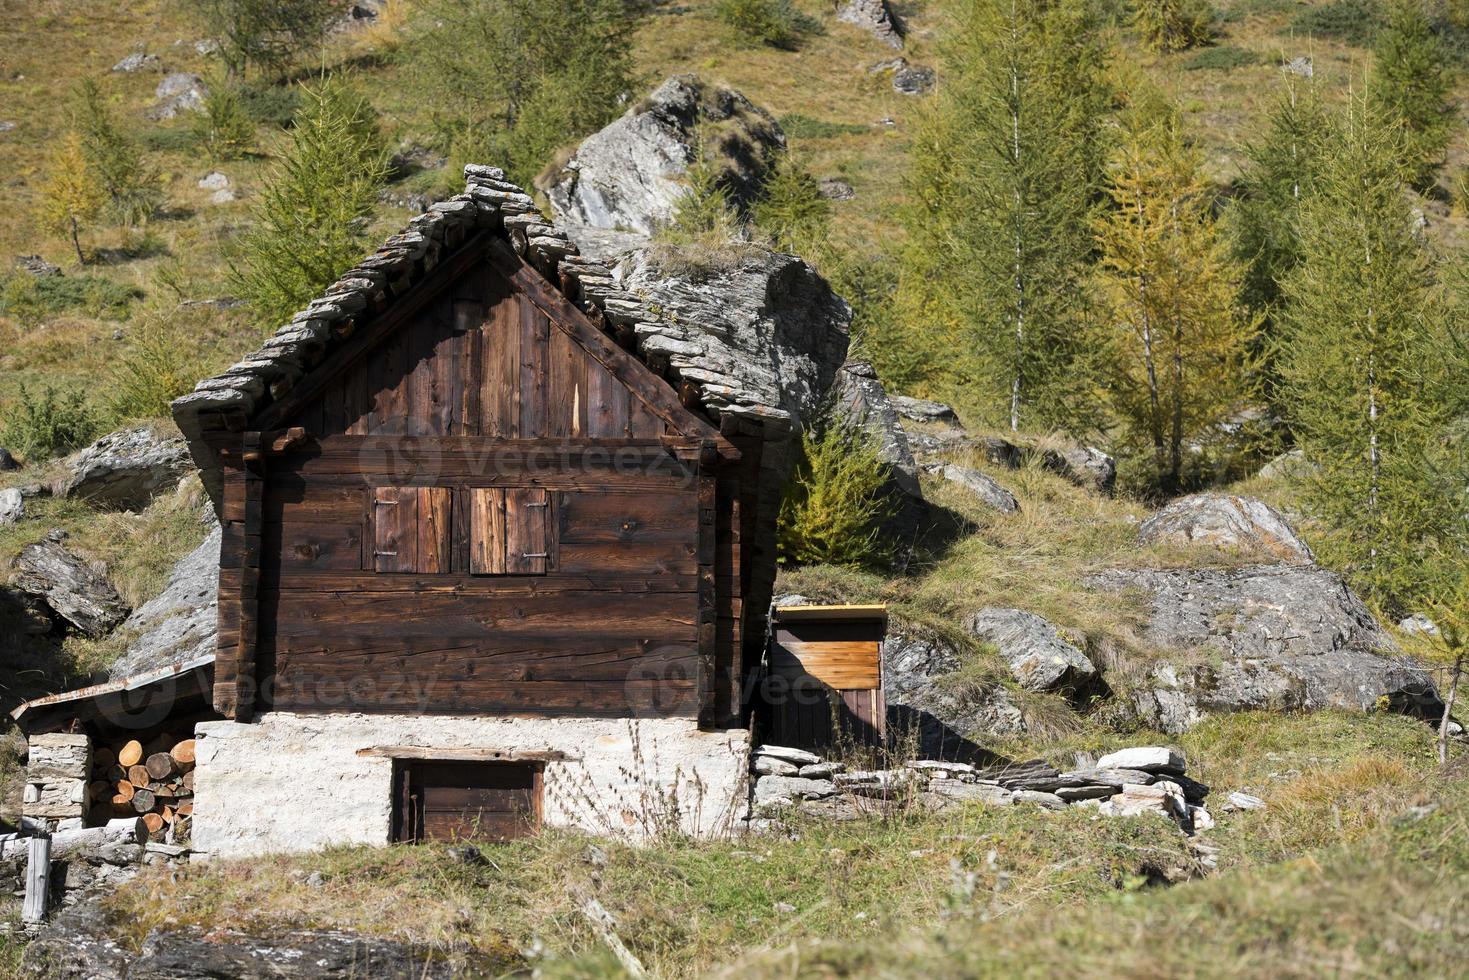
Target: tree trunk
<point x="76" y="243"/>
<point x="1448" y="707"/>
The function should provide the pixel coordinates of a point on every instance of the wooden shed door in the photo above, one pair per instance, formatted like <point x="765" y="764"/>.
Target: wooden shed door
<point x="447" y="801"/>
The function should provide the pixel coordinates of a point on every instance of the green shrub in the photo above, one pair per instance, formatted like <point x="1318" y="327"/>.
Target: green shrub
<point x="1174" y="25"/>
<point x="224" y="129"/>
<point x="1223" y="58"/>
<point x="1350" y="21"/>
<point x="263" y="34"/>
<point x="156" y="368"/>
<point x="49" y="424"/>
<point x="270" y="105"/>
<point x="536" y="76"/>
<point x="31" y="299"/>
<point x="836" y="503"/>
<point x="131" y="183"/>
<point x="1459" y="190"/>
<point x="791" y="209"/>
<point x="801" y="127"/>
<point x="309" y="218"/>
<point x="774" y="22"/>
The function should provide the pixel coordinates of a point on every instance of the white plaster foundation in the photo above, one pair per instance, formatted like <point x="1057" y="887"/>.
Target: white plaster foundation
<point x="293" y="782"/>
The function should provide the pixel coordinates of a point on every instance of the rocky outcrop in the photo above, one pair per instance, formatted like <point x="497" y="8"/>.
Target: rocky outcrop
<point x="923" y="410"/>
<point x="125" y="469"/>
<point x="177" y="93"/>
<point x="874" y="16"/>
<point x="1223" y="520"/>
<point x="139" y="60"/>
<point x="907" y="79"/>
<point x="80" y="944"/>
<point x="860" y="402"/>
<point x="925" y="697"/>
<point x="980" y="486"/>
<point x="630" y="174"/>
<point x="1085" y="466"/>
<point x="1279" y="637"/>
<point x="75" y="590"/>
<point x="1039" y="657"/>
<point x="180" y="623"/>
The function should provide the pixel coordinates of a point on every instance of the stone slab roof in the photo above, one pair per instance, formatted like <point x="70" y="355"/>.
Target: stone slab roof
<point x="739" y="377"/>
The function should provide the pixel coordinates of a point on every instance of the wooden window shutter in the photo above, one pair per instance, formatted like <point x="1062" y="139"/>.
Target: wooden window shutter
<point x="509" y="531"/>
<point x="411" y="529"/>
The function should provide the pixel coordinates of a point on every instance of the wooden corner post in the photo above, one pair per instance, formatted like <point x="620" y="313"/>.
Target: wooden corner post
<point x="239" y="578"/>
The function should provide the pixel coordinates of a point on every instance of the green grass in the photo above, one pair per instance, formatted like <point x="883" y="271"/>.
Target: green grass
<point x="1223" y="58"/>
<point x="1389" y="904"/>
<point x="869" y="896"/>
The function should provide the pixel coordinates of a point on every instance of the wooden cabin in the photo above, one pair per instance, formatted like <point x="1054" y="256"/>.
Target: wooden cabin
<point x="489" y="558"/>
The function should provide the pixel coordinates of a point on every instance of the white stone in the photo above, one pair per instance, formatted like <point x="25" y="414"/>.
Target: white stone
<point x="12" y="506"/>
<point x="799" y="756"/>
<point x="776" y="788"/>
<point x="213" y="181"/>
<point x="769" y="765"/>
<point x="1152" y="758"/>
<point x="1200" y="819"/>
<point x="222" y="196"/>
<point x="981" y="792"/>
<point x="309" y="787"/>
<point x="1244" y="801"/>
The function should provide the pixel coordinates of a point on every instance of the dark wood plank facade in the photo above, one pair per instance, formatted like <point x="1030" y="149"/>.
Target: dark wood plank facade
<point x="489" y="508"/>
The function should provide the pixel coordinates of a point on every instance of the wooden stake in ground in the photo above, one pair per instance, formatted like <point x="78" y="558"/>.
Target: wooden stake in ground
<point x="38" y="879"/>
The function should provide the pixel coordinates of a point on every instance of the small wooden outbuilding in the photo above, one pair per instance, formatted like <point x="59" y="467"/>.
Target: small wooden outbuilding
<point x="825" y="675"/>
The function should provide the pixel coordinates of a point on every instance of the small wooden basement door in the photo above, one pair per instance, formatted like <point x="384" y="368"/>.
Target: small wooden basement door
<point x="826" y="666"/>
<point x="451" y="800"/>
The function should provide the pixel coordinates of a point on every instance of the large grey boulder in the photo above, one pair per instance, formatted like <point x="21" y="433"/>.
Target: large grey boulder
<point x="874" y="16"/>
<point x="178" y="92"/>
<point x="860" y="402"/>
<point x="75" y="590"/>
<point x="125" y="469"/>
<point x="1085" y="466"/>
<point x="630" y="174"/>
<point x="180" y="624"/>
<point x="927" y="695"/>
<point x="981" y="487"/>
<point x="923" y="410"/>
<point x="1039" y="657"/>
<point x="1223" y="520"/>
<point x="1280" y="637"/>
<point x="12" y="506"/>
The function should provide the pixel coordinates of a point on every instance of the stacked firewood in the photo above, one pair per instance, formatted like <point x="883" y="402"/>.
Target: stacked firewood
<point x="154" y="781"/>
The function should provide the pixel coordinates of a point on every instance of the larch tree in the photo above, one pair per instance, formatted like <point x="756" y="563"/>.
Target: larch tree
<point x="310" y="217"/>
<point x="1002" y="193"/>
<point x="71" y="195"/>
<point x="1409" y="84"/>
<point x="130" y="183"/>
<point x="1279" y="174"/>
<point x="1179" y="338"/>
<point x="1366" y="370"/>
